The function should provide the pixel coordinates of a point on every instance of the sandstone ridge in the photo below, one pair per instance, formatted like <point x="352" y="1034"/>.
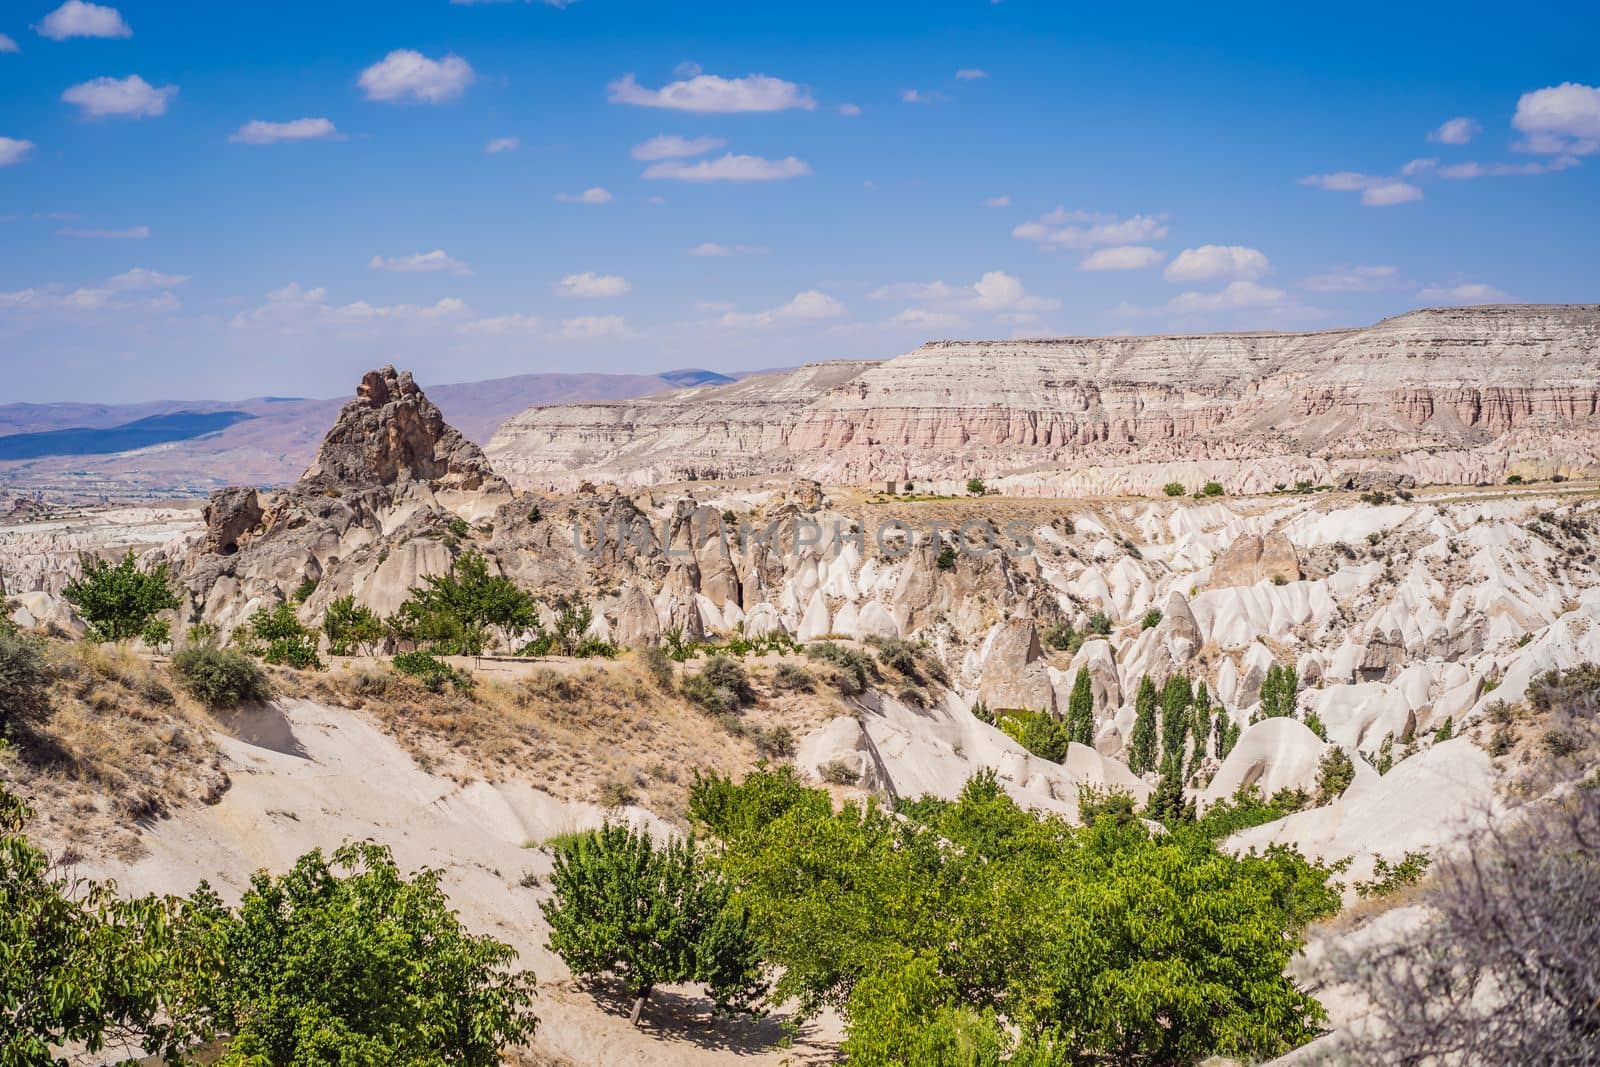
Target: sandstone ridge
<point x="1450" y="395"/>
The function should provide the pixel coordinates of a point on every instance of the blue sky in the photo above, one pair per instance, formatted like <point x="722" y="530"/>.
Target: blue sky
<point x="217" y="200"/>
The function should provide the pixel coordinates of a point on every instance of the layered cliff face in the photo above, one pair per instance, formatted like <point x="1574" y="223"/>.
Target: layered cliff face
<point x="1441" y="380"/>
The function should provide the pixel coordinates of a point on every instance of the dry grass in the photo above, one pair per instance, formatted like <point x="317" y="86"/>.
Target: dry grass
<point x="122" y="746"/>
<point x="591" y="733"/>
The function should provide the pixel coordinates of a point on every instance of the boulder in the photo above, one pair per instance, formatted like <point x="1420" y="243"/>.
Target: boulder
<point x="1014" y="674"/>
<point x="637" y="625"/>
<point x="1254" y="558"/>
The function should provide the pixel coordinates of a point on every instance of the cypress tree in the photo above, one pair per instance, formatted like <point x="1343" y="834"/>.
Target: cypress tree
<point x="1142" y="743"/>
<point x="1080" y="710"/>
<point x="1175" y="703"/>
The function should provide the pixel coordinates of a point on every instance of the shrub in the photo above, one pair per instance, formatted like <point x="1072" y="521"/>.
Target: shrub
<point x="615" y="794"/>
<point x="1446" y="730"/>
<point x="450" y="614"/>
<point x="345" y="960"/>
<point x="1061" y="637"/>
<point x="1279" y="692"/>
<point x="793" y="677"/>
<point x="838" y="772"/>
<point x="432" y="672"/>
<point x="304" y="590"/>
<point x="650" y="916"/>
<point x="1212" y="489"/>
<point x="1151" y="620"/>
<point x="1174" y="489"/>
<point x="659" y="664"/>
<point x="1099" y="624"/>
<point x="351" y="627"/>
<point x="721" y="686"/>
<point x="279" y="637"/>
<point x="1513" y="479"/>
<point x="975" y="487"/>
<point x="776" y="743"/>
<point x="855" y="670"/>
<point x="25" y="678"/>
<point x="1335" y="772"/>
<point x="946" y="559"/>
<point x="119" y="600"/>
<point x="1390" y="878"/>
<point x="220" y="677"/>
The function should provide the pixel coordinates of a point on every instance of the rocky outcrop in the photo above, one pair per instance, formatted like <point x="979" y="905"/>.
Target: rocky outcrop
<point x="391" y="432"/>
<point x="1014" y="674"/>
<point x="229" y="515"/>
<point x="1254" y="558"/>
<point x="1233" y="407"/>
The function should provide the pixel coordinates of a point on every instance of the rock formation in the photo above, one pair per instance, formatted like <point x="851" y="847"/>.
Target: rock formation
<point x="1121" y="414"/>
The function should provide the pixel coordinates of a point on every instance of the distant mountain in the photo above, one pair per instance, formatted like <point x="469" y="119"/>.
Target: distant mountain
<point x="177" y="448"/>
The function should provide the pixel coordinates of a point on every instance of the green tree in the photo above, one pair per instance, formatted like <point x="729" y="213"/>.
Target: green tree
<point x="347" y="962"/>
<point x="118" y="600"/>
<point x="1174" y="489"/>
<point x="1080" y="710"/>
<point x="975" y="487"/>
<point x="1335" y="772"/>
<point x="1167" y="804"/>
<point x="648" y="915"/>
<point x="1176" y="699"/>
<point x="1142" y="741"/>
<point x="79" y="964"/>
<point x="1279" y="692"/>
<point x="351" y="627"/>
<point x="1040" y="733"/>
<point x="278" y="636"/>
<point x="450" y="614"/>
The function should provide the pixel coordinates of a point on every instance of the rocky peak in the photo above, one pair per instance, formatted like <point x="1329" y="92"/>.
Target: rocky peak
<point x="391" y="432"/>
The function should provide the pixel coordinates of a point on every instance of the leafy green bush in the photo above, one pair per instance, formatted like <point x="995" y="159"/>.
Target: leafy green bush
<point x="943" y="917"/>
<point x="1151" y="620"/>
<point x="1388" y="878"/>
<point x="946" y="559"/>
<point x="1099" y="624"/>
<point x="1174" y="489"/>
<point x="119" y="600"/>
<point x="1212" y="489"/>
<point x="451" y="614"/>
<point x="432" y="672"/>
<point x="1279" y="692"/>
<point x="346" y="960"/>
<point x="279" y="637"/>
<point x="25" y="679"/>
<point x="220" y="677"/>
<point x="975" y="487"/>
<point x="1061" y="637"/>
<point x="838" y="772"/>
<point x="351" y="627"/>
<point x="650" y="916"/>
<point x="1247" y="808"/>
<point x="1335" y="772"/>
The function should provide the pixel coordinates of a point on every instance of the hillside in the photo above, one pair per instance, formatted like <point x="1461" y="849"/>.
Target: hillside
<point x="1121" y="414"/>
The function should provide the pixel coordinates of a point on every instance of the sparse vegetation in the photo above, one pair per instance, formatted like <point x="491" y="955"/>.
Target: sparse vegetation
<point x="1175" y="489"/>
<point x="25" y="678"/>
<point x="1388" y="878"/>
<point x="975" y="487"/>
<point x="278" y="637"/>
<point x="220" y="678"/>
<point x="451" y="614"/>
<point x="1212" y="489"/>
<point x="434" y="673"/>
<point x="721" y="686"/>
<point x="1335" y="772"/>
<point x="1151" y="620"/>
<point x="838" y="772"/>
<point x="351" y="627"/>
<point x="119" y="600"/>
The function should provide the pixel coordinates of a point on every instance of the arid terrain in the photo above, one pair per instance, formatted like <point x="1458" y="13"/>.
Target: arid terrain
<point x="1406" y="516"/>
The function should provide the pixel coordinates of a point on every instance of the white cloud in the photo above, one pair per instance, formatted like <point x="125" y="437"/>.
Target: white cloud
<point x="22" y="298"/>
<point x="13" y="151"/>
<point x="135" y="233"/>
<point x="927" y="319"/>
<point x="590" y="284"/>
<point x="1121" y="257"/>
<point x="670" y="146"/>
<point x="139" y="278"/>
<point x="1456" y="131"/>
<point x="1216" y="261"/>
<point x="849" y="111"/>
<point x="1083" y="229"/>
<point x="995" y="293"/>
<point x="502" y="144"/>
<point x="1356" y="279"/>
<point x="78" y="19"/>
<point x="132" y="97"/>
<point x="708" y="93"/>
<point x="1461" y="293"/>
<point x="997" y="201"/>
<point x="295" y="308"/>
<point x="711" y="248"/>
<point x="968" y="74"/>
<point x="729" y="168"/>
<point x="407" y="73"/>
<point x="1235" y="296"/>
<point x="1418" y="166"/>
<point x="7" y="44"/>
<point x="593" y="195"/>
<point x="502" y="326"/>
<point x="596" y="328"/>
<point x="86" y="299"/>
<point x="917" y="96"/>
<point x="1463" y="171"/>
<point x="420" y="262"/>
<point x="1375" y="191"/>
<point x="259" y="132"/>
<point x="809" y="306"/>
<point x="999" y="291"/>
<point x="1564" y="118"/>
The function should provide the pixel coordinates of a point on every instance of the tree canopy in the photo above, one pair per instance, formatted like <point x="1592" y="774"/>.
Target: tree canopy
<point x="119" y="600"/>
